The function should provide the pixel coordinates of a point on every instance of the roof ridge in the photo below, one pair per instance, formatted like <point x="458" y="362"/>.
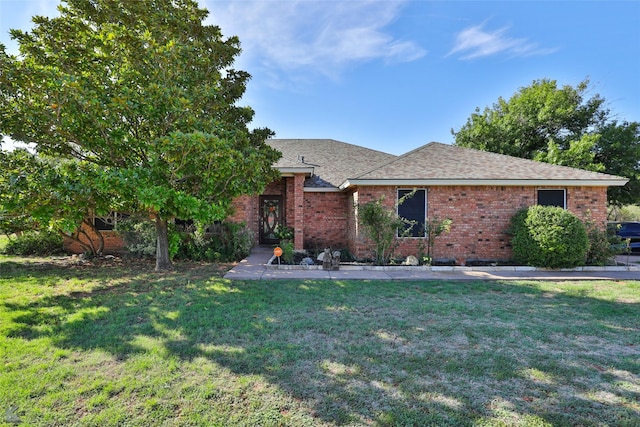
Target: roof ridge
<point x="381" y="165"/>
<point x="331" y="140"/>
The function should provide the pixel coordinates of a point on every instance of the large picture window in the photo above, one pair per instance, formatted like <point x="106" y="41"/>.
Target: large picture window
<point x="552" y="198"/>
<point x="412" y="207"/>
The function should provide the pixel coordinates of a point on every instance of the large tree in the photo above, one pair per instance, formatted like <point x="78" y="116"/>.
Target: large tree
<point x="560" y="125"/>
<point x="145" y="90"/>
<point x="51" y="194"/>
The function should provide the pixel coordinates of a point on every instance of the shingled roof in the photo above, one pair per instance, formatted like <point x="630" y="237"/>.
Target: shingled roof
<point x="327" y="162"/>
<point x="331" y="164"/>
<point x="442" y="164"/>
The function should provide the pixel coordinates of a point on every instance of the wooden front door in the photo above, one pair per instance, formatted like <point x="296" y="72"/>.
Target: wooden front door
<point x="270" y="218"/>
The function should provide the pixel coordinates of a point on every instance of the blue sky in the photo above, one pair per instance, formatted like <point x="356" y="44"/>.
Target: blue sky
<point x="394" y="75"/>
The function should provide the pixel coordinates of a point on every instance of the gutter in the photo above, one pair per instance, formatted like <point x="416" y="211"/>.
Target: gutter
<point x="486" y="182"/>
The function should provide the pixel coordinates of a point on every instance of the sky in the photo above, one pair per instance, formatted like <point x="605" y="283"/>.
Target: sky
<point x="395" y="75"/>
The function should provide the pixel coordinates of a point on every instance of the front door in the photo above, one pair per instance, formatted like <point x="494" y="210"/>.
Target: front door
<point x="270" y="218"/>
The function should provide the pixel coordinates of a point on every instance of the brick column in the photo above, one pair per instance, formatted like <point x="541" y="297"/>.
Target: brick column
<point x="298" y="211"/>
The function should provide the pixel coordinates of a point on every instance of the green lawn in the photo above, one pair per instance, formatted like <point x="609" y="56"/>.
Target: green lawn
<point x="125" y="346"/>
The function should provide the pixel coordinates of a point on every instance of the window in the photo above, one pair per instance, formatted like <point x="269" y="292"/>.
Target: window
<point x="552" y="198"/>
<point x="412" y="206"/>
<point x="109" y="221"/>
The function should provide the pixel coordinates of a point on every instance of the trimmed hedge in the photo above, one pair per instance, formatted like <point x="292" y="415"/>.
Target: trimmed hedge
<point x="548" y="236"/>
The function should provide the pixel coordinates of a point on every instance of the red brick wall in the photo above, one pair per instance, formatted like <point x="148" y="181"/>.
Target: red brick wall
<point x="480" y="217"/>
<point x="298" y="211"/>
<point x="246" y="209"/>
<point x="588" y="202"/>
<point x="113" y="243"/>
<point x="325" y="220"/>
<point x="358" y="245"/>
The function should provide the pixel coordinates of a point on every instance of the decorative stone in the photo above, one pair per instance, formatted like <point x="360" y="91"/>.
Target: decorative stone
<point x="411" y="260"/>
<point x="335" y="260"/>
<point x="326" y="259"/>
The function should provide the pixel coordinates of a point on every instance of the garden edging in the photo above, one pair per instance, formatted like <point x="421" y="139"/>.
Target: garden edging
<point x="449" y="268"/>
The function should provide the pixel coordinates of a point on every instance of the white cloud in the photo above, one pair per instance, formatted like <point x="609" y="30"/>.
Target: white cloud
<point x="476" y="42"/>
<point x="291" y="38"/>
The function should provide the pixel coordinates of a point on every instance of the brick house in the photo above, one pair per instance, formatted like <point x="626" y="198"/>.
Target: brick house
<point x="323" y="180"/>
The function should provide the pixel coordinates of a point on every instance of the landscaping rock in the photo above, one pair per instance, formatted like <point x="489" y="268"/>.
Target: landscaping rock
<point x="411" y="260"/>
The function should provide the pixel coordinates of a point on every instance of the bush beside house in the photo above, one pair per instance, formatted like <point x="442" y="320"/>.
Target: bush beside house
<point x="548" y="236"/>
<point x="40" y="243"/>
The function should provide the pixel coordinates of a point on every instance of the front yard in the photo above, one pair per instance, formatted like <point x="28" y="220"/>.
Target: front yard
<point x="120" y="345"/>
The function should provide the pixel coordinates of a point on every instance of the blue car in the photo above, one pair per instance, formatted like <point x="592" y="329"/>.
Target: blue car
<point x="628" y="230"/>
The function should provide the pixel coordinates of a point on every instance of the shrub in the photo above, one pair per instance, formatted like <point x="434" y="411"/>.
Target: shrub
<point x="381" y="226"/>
<point x="547" y="236"/>
<point x="287" y="251"/>
<point x="42" y="243"/>
<point x="604" y="244"/>
<point x="237" y="242"/>
<point x="225" y="242"/>
<point x="139" y="236"/>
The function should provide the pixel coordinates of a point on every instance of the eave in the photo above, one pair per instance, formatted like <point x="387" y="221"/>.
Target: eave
<point x="486" y="182"/>
<point x="291" y="171"/>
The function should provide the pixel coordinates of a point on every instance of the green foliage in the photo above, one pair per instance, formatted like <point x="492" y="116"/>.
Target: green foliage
<point x="139" y="236"/>
<point x="619" y="151"/>
<point x="548" y="236"/>
<point x="41" y="243"/>
<point x="624" y="213"/>
<point x="287" y="251"/>
<point x="146" y="91"/>
<point x="39" y="192"/>
<point x="524" y="125"/>
<point x="434" y="228"/>
<point x="226" y="242"/>
<point x="604" y="244"/>
<point x="15" y="223"/>
<point x="577" y="154"/>
<point x="284" y="232"/>
<point x="381" y="224"/>
<point x="559" y="125"/>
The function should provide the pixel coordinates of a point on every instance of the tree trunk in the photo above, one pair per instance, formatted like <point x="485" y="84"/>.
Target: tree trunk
<point x="163" y="262"/>
<point x="75" y="237"/>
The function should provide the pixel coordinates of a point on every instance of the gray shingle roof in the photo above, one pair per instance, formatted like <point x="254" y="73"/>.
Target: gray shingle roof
<point x="332" y="161"/>
<point x="338" y="164"/>
<point x="436" y="161"/>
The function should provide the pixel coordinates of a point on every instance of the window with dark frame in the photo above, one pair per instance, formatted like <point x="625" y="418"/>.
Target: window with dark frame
<point x="109" y="221"/>
<point x="554" y="197"/>
<point x="412" y="207"/>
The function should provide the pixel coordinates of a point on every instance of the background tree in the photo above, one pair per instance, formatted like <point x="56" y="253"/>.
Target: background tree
<point x="559" y="125"/>
<point x="146" y="91"/>
<point x="619" y="151"/>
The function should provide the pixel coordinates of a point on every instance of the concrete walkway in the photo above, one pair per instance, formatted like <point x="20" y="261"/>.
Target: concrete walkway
<point x="254" y="268"/>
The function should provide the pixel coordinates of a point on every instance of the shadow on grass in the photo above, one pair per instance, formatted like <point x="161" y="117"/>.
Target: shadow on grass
<point x="378" y="353"/>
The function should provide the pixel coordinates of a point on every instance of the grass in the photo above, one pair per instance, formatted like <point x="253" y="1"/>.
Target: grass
<point x="125" y="346"/>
